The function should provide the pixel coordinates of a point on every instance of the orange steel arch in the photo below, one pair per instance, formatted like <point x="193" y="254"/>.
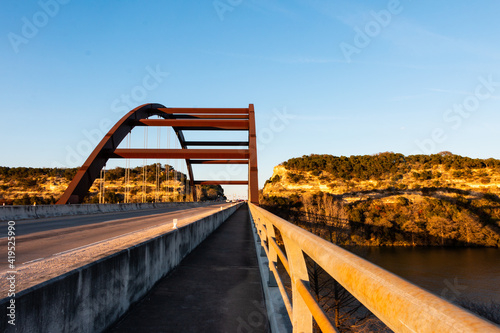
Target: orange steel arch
<point x="180" y="119"/>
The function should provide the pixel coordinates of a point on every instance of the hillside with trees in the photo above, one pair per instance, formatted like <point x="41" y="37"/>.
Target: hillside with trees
<point x="390" y="199"/>
<point x="28" y="186"/>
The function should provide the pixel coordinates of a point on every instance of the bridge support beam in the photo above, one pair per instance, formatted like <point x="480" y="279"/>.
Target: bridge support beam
<point x="253" y="178"/>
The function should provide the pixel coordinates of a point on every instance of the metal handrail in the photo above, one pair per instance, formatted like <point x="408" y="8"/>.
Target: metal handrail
<point x="317" y="312"/>
<point x="281" y="254"/>
<point x="281" y="286"/>
<point x="402" y="306"/>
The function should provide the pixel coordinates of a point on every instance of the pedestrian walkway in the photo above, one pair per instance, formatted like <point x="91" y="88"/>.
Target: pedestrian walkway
<point x="216" y="288"/>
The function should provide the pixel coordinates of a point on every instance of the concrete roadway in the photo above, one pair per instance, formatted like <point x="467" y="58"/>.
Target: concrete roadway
<point x="42" y="238"/>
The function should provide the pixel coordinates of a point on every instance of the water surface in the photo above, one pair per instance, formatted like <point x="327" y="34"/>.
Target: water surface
<point x="452" y="273"/>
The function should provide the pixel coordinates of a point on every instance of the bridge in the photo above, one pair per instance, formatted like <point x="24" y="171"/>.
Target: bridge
<point x="180" y="120"/>
<point x="191" y="266"/>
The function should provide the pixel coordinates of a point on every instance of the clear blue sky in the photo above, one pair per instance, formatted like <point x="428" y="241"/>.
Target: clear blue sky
<point x="326" y="77"/>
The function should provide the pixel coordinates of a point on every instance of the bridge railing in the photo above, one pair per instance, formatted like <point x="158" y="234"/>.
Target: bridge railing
<point x="402" y="306"/>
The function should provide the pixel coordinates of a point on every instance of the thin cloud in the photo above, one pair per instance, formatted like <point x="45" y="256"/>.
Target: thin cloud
<point x="459" y="92"/>
<point x="452" y="92"/>
<point x="325" y="118"/>
<point x="419" y="39"/>
<point x="280" y="59"/>
<point x="408" y="97"/>
<point x="308" y="60"/>
<point x="348" y="13"/>
<point x="392" y="64"/>
<point x="265" y="6"/>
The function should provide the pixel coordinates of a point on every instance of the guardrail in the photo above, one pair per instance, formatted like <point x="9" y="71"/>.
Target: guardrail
<point x="402" y="306"/>
<point x="26" y="212"/>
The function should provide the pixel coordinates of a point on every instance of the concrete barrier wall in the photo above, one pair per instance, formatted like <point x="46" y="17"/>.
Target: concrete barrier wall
<point x="21" y="212"/>
<point x="91" y="298"/>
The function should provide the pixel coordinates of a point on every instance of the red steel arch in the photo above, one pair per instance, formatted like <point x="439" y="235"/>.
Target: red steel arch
<point x="180" y="119"/>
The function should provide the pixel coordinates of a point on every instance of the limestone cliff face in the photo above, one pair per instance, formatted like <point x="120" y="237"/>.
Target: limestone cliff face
<point x="286" y="182"/>
<point x="410" y="204"/>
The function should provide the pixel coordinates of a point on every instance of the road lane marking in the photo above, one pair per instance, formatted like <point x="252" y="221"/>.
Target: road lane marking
<point x="31" y="261"/>
<point x="193" y="217"/>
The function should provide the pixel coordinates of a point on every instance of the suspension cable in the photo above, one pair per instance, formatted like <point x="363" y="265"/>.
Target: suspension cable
<point x="175" y="172"/>
<point x="145" y="167"/>
<point x="102" y="185"/>
<point x="127" y="172"/>
<point x="158" y="144"/>
<point x="167" y="169"/>
<point x="184" y="171"/>
<point x="186" y="188"/>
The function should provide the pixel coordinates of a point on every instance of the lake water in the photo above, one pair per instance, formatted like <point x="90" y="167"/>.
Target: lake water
<point x="447" y="272"/>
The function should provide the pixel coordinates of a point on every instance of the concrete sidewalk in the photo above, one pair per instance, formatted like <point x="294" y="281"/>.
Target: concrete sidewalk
<point x="217" y="288"/>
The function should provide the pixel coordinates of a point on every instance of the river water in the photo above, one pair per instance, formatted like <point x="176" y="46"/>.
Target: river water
<point x="451" y="273"/>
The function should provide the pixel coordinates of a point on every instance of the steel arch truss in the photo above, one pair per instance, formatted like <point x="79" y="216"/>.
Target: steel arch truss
<point x="180" y="119"/>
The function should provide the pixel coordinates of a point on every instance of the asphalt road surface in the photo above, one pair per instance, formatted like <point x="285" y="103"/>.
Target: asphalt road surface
<point x="42" y="238"/>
